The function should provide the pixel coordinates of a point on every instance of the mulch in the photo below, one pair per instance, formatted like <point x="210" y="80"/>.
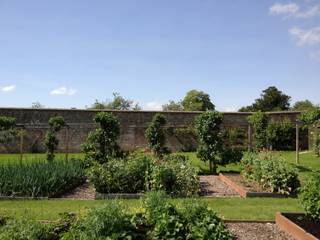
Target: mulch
<point x="256" y="231"/>
<point x="83" y="192"/>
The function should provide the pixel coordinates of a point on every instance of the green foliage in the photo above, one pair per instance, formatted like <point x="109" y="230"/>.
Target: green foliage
<point x="40" y="179"/>
<point x="271" y="99"/>
<point x="108" y="222"/>
<point x="317" y="144"/>
<point x="7" y="129"/>
<point x="175" y="176"/>
<point x="172" y="106"/>
<point x="259" y="123"/>
<point x="122" y="175"/>
<point x="271" y="172"/>
<point x="101" y="144"/>
<point x="234" y="144"/>
<point x="304" y="105"/>
<point x="197" y="101"/>
<point x="51" y="141"/>
<point x="208" y="128"/>
<point x="310" y="117"/>
<point x="155" y="135"/>
<point x="193" y="221"/>
<point x="281" y="135"/>
<point x="118" y="103"/>
<point x="310" y="197"/>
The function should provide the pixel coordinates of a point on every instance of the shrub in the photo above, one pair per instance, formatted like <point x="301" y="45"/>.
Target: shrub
<point x="121" y="175"/>
<point x="40" y="179"/>
<point x="155" y="135"/>
<point x="51" y="140"/>
<point x="281" y="135"/>
<point x="101" y="144"/>
<point x="259" y="122"/>
<point x="7" y="128"/>
<point x="108" y="222"/>
<point x="175" y="177"/>
<point x="210" y="138"/>
<point x="310" y="197"/>
<point x="271" y="172"/>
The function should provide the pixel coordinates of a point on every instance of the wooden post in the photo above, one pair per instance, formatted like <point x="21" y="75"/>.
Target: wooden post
<point x="297" y="143"/>
<point x="249" y="138"/>
<point x="67" y="142"/>
<point x="21" y="145"/>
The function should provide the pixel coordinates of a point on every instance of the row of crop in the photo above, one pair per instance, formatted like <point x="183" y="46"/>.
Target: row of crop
<point x="40" y="179"/>
<point x="159" y="219"/>
<point x="140" y="172"/>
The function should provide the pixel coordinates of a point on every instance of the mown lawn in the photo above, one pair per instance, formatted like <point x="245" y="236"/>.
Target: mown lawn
<point x="227" y="208"/>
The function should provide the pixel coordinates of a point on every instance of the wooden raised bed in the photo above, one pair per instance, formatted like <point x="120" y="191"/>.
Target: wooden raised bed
<point x="298" y="226"/>
<point x="245" y="192"/>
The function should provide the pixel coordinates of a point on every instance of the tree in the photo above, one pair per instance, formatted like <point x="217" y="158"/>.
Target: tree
<point x="172" y="106"/>
<point x="259" y="123"/>
<point x="208" y="128"/>
<point x="155" y="135"/>
<point x="197" y="101"/>
<point x="101" y="144"/>
<point x="304" y="105"/>
<point x="118" y="103"/>
<point x="271" y="99"/>
<point x="51" y="140"/>
<point x="37" y="105"/>
<point x="7" y="128"/>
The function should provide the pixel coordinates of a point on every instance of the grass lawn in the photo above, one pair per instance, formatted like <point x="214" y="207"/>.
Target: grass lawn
<point x="227" y="208"/>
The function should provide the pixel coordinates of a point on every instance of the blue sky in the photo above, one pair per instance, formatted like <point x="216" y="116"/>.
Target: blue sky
<point x="67" y="53"/>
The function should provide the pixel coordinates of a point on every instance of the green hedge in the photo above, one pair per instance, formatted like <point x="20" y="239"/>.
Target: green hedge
<point x="40" y="179"/>
<point x="271" y="172"/>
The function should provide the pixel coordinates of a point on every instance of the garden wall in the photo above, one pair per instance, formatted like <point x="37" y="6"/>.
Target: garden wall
<point x="133" y="125"/>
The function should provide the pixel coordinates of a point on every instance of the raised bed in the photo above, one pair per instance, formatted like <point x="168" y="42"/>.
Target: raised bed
<point x="243" y="189"/>
<point x="118" y="195"/>
<point x="298" y="226"/>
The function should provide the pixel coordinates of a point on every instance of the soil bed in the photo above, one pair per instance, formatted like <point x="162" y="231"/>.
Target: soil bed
<point x="305" y="223"/>
<point x="83" y="192"/>
<point x="212" y="186"/>
<point x="256" y="231"/>
<point x="247" y="185"/>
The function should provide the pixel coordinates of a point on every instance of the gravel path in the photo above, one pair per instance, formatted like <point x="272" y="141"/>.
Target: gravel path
<point x="257" y="231"/>
<point x="84" y="192"/>
<point x="211" y="186"/>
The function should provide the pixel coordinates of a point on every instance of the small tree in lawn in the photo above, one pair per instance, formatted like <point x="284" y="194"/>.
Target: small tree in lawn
<point x="208" y="128"/>
<point x="155" y="135"/>
<point x="259" y="123"/>
<point x="51" y="140"/>
<point x="101" y="144"/>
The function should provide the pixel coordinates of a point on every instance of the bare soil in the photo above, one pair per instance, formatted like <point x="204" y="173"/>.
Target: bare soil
<point x="212" y="186"/>
<point x="84" y="192"/>
<point x="250" y="186"/>
<point x="257" y="231"/>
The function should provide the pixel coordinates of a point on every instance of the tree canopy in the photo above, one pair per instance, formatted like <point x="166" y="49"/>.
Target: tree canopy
<point x="271" y="99"/>
<point x="172" y="106"/>
<point x="118" y="103"/>
<point x="197" y="101"/>
<point x="304" y="105"/>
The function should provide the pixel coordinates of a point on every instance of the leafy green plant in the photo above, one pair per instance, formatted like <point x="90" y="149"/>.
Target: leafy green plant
<point x="310" y="197"/>
<point x="101" y="144"/>
<point x="128" y="175"/>
<point x="208" y="128"/>
<point x="7" y="128"/>
<point x="175" y="177"/>
<point x="281" y="135"/>
<point x="259" y="123"/>
<point x="155" y="135"/>
<point x="40" y="179"/>
<point x="271" y="172"/>
<point x="51" y="141"/>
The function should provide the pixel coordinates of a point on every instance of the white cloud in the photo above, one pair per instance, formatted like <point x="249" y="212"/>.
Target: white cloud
<point x="156" y="106"/>
<point x="9" y="88"/>
<point x="288" y="9"/>
<point x="63" y="91"/>
<point x="313" y="11"/>
<point x="306" y="37"/>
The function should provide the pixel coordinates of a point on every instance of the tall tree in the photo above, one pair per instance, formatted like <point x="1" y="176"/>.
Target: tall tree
<point x="118" y="103"/>
<point x="271" y="99"/>
<point x="197" y="101"/>
<point x="172" y="106"/>
<point x="304" y="105"/>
